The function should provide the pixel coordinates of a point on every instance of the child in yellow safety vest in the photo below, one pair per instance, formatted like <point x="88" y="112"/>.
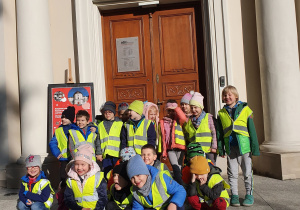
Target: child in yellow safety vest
<point x="153" y="189"/>
<point x="137" y="131"/>
<point x="200" y="127"/>
<point x="120" y="196"/>
<point x="207" y="189"/>
<point x="237" y="138"/>
<point x="108" y="141"/>
<point x="36" y="191"/>
<point x="86" y="186"/>
<point x="171" y="139"/>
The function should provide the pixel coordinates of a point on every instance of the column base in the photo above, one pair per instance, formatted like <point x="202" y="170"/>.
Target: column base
<point x="15" y="171"/>
<point x="281" y="166"/>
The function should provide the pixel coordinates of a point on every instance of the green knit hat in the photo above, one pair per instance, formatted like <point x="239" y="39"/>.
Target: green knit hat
<point x="137" y="106"/>
<point x="194" y="149"/>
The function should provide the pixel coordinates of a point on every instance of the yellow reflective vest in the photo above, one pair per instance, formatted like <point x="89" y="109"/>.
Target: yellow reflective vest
<point x="79" y="140"/>
<point x="127" y="201"/>
<point x="62" y="142"/>
<point x="202" y="134"/>
<point x="214" y="179"/>
<point x="37" y="189"/>
<point x="239" y="126"/>
<point x="159" y="193"/>
<point x="137" y="138"/>
<point x="110" y="143"/>
<point x="88" y="197"/>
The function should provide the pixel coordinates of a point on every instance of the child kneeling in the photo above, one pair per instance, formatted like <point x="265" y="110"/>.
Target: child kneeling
<point x="207" y="189"/>
<point x="36" y="191"/>
<point x="86" y="187"/>
<point x="153" y="189"/>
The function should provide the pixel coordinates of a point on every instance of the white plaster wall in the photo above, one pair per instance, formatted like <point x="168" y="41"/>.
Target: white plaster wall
<point x="61" y="29"/>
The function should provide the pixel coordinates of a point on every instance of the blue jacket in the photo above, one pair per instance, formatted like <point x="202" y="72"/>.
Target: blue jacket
<point x="24" y="195"/>
<point x="176" y="191"/>
<point x="53" y="144"/>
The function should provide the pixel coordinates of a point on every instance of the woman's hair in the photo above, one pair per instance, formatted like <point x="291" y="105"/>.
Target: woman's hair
<point x="171" y="101"/>
<point x="231" y="89"/>
<point x="152" y="108"/>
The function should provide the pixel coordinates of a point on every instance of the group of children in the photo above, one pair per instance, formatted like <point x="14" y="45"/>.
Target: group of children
<point x="115" y="164"/>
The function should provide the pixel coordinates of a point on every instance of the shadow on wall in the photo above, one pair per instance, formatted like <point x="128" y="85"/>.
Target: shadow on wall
<point x="252" y="68"/>
<point x="4" y="152"/>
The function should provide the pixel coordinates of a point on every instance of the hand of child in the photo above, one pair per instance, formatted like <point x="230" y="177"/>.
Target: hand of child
<point x="213" y="150"/>
<point x="59" y="156"/>
<point x="99" y="157"/>
<point x="223" y="156"/>
<point x="164" y="157"/>
<point x="93" y="129"/>
<point x="172" y="206"/>
<point x="193" y="178"/>
<point x="28" y="202"/>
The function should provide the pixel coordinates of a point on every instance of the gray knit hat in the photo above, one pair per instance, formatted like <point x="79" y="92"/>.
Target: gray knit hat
<point x="136" y="166"/>
<point x="33" y="160"/>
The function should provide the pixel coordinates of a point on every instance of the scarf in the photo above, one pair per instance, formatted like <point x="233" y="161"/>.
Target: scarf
<point x="196" y="121"/>
<point x="145" y="190"/>
<point x="168" y="124"/>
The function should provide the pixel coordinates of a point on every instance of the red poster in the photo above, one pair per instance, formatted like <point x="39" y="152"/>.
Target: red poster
<point x="61" y="96"/>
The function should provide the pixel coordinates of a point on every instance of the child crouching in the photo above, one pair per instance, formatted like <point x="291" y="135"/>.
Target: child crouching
<point x="36" y="191"/>
<point x="153" y="189"/>
<point x="86" y="187"/>
<point x="207" y="189"/>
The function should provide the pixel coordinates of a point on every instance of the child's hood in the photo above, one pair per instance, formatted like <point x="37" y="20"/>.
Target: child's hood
<point x="214" y="170"/>
<point x="41" y="176"/>
<point x="72" y="174"/>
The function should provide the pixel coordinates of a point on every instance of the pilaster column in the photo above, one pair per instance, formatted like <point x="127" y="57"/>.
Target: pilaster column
<point x="280" y="75"/>
<point x="35" y="73"/>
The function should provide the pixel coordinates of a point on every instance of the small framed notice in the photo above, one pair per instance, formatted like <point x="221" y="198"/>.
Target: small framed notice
<point x="128" y="56"/>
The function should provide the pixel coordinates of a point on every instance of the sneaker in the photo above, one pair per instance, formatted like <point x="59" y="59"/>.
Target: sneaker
<point x="234" y="201"/>
<point x="249" y="200"/>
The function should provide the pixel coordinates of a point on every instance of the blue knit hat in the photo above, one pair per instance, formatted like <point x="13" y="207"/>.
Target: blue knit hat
<point x="136" y="166"/>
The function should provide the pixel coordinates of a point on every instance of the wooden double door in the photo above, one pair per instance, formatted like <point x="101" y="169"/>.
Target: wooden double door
<point x="153" y="54"/>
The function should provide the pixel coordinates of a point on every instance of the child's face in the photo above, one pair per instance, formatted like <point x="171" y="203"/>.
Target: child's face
<point x="121" y="112"/>
<point x="65" y="121"/>
<point x="109" y="115"/>
<point x="152" y="115"/>
<point x="185" y="108"/>
<point x="148" y="156"/>
<point x="139" y="180"/>
<point x="119" y="181"/>
<point x="196" y="111"/>
<point x="133" y="115"/>
<point x="81" y="121"/>
<point x="33" y="171"/>
<point x="171" y="113"/>
<point x="229" y="98"/>
<point x="201" y="178"/>
<point x="81" y="167"/>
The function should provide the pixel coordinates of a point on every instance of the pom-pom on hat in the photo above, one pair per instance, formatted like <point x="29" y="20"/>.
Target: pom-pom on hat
<point x="85" y="153"/>
<point x="187" y="97"/>
<point x="109" y="105"/>
<point x="121" y="170"/>
<point x="33" y="160"/>
<point x="199" y="165"/>
<point x="137" y="106"/>
<point x="123" y="106"/>
<point x="127" y="153"/>
<point x="69" y="113"/>
<point x="136" y="166"/>
<point x="197" y="100"/>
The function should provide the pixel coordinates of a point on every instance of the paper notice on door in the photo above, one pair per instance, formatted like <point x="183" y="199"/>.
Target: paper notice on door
<point x="128" y="56"/>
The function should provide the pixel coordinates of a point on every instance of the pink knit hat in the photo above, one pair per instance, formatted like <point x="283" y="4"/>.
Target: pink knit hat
<point x="187" y="97"/>
<point x="197" y="100"/>
<point x="85" y="153"/>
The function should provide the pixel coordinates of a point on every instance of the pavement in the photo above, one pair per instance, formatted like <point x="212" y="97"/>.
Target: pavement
<point x="268" y="194"/>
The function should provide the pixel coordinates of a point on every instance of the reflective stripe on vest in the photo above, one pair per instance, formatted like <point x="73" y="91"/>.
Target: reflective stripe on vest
<point x="125" y="202"/>
<point x="62" y="142"/>
<point x="215" y="179"/>
<point x="88" y="197"/>
<point x="239" y="125"/>
<point x="179" y="136"/>
<point x="110" y="143"/>
<point x="159" y="193"/>
<point x="202" y="134"/>
<point x="137" y="138"/>
<point x="37" y="189"/>
<point x="79" y="140"/>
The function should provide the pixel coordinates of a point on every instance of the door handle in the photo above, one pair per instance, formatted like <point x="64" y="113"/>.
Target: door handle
<point x="159" y="102"/>
<point x="157" y="78"/>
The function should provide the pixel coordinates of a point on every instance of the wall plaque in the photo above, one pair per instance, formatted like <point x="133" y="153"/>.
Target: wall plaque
<point x="128" y="56"/>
